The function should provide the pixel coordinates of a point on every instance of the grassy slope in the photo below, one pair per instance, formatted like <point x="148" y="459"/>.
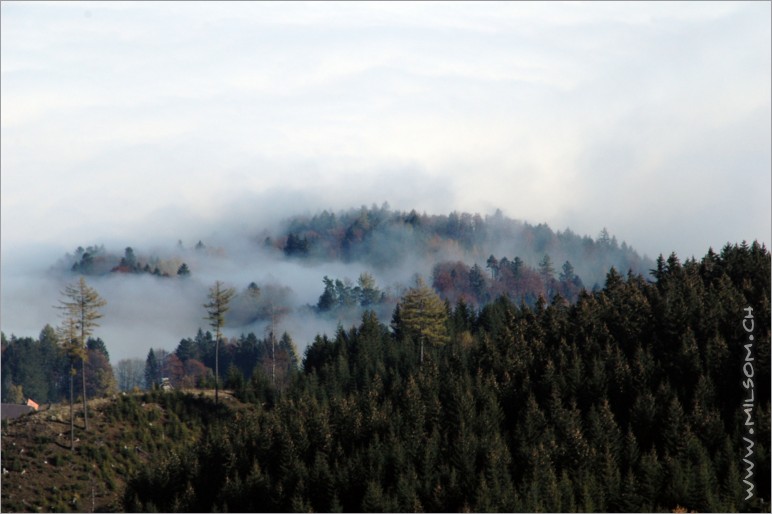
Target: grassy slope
<point x="40" y="473"/>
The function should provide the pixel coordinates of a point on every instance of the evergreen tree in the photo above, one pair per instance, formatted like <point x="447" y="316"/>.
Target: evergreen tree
<point x="129" y="259"/>
<point x="478" y="284"/>
<point x="546" y="269"/>
<point x="97" y="345"/>
<point x="152" y="370"/>
<point x="567" y="275"/>
<point x="329" y="298"/>
<point x="368" y="292"/>
<point x="525" y="408"/>
<point x="187" y="349"/>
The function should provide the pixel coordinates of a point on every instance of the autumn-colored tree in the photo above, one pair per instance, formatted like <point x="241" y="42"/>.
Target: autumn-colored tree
<point x="81" y="305"/>
<point x="424" y="316"/>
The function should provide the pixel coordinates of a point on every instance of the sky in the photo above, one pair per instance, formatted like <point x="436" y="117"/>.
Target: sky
<point x="131" y="123"/>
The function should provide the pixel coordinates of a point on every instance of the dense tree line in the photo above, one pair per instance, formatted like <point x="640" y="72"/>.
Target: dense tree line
<point x="382" y="237"/>
<point x="629" y="399"/>
<point x="193" y="362"/>
<point x="38" y="369"/>
<point x="342" y="294"/>
<point x="456" y="281"/>
<point x="96" y="260"/>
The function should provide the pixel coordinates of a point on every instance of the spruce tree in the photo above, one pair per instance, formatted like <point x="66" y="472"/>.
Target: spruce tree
<point x="151" y="369"/>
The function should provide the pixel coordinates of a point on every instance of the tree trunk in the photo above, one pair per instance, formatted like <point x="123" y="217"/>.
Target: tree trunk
<point x="273" y="351"/>
<point x="85" y="408"/>
<point x="217" y="369"/>
<point x="72" y="411"/>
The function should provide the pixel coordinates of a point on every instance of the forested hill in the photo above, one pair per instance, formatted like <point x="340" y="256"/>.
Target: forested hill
<point x="385" y="238"/>
<point x="462" y="256"/>
<point x="636" y="398"/>
<point x="644" y="395"/>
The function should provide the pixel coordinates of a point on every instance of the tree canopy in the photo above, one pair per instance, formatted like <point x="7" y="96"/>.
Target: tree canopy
<point x="628" y="400"/>
<point x="422" y="316"/>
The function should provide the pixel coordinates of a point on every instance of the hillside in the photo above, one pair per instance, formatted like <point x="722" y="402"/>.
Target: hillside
<point x="386" y="238"/>
<point x="126" y="433"/>
<point x="383" y="239"/>
<point x="641" y="395"/>
<point x="632" y="399"/>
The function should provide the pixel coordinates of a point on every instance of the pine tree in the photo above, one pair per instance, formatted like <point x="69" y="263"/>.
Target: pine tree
<point x="53" y="363"/>
<point x="567" y="275"/>
<point x="373" y="500"/>
<point x="81" y="305"/>
<point x="152" y="369"/>
<point x="478" y="284"/>
<point x="546" y="269"/>
<point x="673" y="427"/>
<point x="129" y="260"/>
<point x="368" y="292"/>
<point x="329" y="299"/>
<point x="219" y="300"/>
<point x="604" y="431"/>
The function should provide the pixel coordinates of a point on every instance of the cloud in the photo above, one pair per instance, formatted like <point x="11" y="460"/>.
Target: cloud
<point x="142" y="124"/>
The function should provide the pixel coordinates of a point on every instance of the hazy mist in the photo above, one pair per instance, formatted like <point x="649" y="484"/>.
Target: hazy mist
<point x="145" y="124"/>
<point x="144" y="311"/>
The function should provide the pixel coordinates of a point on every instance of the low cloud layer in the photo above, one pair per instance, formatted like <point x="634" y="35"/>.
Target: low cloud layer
<point x="143" y="124"/>
<point x="145" y="311"/>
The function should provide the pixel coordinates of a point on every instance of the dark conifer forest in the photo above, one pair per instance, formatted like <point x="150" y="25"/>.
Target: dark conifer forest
<point x="629" y="399"/>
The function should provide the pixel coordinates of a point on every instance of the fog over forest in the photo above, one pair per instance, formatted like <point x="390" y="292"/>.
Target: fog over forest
<point x="146" y="310"/>
<point x="484" y="256"/>
<point x="139" y="125"/>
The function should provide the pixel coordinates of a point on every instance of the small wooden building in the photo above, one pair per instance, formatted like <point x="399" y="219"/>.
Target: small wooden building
<point x="14" y="410"/>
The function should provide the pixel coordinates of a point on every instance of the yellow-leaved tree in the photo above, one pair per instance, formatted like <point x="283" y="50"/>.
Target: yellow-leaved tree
<point x="423" y="316"/>
<point x="80" y="305"/>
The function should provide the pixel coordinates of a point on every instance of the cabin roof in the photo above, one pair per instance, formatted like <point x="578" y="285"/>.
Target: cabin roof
<point x="13" y="410"/>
